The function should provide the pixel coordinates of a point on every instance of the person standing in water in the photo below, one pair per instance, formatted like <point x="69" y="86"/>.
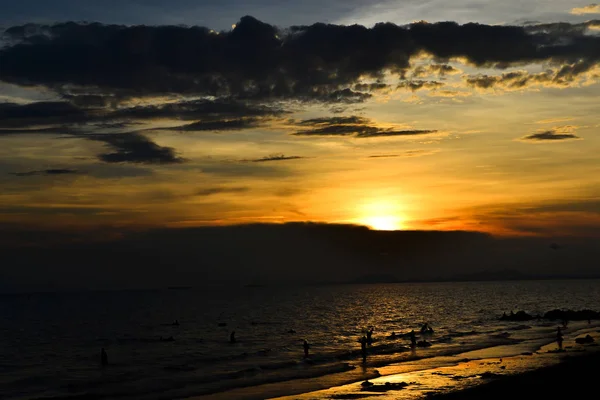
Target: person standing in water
<point x="232" y="337"/>
<point x="103" y="357"/>
<point x="306" y="347"/>
<point x="370" y="336"/>
<point x="559" y="338"/>
<point x="413" y="338"/>
<point x="363" y="348"/>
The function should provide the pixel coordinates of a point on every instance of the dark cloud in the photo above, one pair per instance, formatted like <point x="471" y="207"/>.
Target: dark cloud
<point x="339" y="130"/>
<point x="384" y="155"/>
<point x="550" y="135"/>
<point x="392" y="132"/>
<point x="219" y="125"/>
<point x="116" y="258"/>
<point x="56" y="171"/>
<point x="56" y="130"/>
<point x="199" y="109"/>
<point x="14" y="115"/>
<point x="415" y="85"/>
<point x="334" y="120"/>
<point x="259" y="61"/>
<point x="135" y="148"/>
<point x="90" y="101"/>
<point x="57" y="116"/>
<point x="585" y="205"/>
<point x="276" y="157"/>
<point x="371" y="87"/>
<point x="434" y="69"/>
<point x="565" y="75"/>
<point x="218" y="190"/>
<point x="352" y="126"/>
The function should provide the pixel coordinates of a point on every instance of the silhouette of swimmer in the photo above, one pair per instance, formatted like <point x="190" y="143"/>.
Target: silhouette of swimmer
<point x="363" y="348"/>
<point x="426" y="328"/>
<point x="306" y="347"/>
<point x="169" y="339"/>
<point x="413" y="338"/>
<point x="176" y="323"/>
<point x="370" y="336"/>
<point x="559" y="338"/>
<point x="232" y="337"/>
<point x="103" y="357"/>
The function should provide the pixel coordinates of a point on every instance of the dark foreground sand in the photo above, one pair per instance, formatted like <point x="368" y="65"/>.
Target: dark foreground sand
<point x="577" y="376"/>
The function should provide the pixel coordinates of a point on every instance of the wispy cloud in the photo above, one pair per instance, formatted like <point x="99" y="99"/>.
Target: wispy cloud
<point x="414" y="85"/>
<point x="435" y="70"/>
<point x="589" y="9"/>
<point x="221" y="189"/>
<point x="408" y="153"/>
<point x="55" y="171"/>
<point x="564" y="76"/>
<point x="276" y="157"/>
<point x="355" y="126"/>
<point x="384" y="156"/>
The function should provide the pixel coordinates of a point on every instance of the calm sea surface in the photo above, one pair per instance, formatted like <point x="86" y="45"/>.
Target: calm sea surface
<point x="50" y="343"/>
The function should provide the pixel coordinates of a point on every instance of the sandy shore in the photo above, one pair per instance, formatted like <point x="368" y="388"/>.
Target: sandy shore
<point x="489" y="373"/>
<point x="576" y="375"/>
<point x="546" y="374"/>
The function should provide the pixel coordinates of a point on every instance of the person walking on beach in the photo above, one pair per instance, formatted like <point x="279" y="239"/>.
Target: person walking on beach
<point x="306" y="347"/>
<point x="363" y="348"/>
<point x="103" y="358"/>
<point x="559" y="338"/>
<point x="232" y="337"/>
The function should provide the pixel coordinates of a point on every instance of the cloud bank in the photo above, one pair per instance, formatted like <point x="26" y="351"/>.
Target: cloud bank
<point x="256" y="60"/>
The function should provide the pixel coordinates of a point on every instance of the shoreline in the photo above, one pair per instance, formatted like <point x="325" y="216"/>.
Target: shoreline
<point x="481" y="374"/>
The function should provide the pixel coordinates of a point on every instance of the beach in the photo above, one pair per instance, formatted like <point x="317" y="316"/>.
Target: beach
<point x="471" y="345"/>
<point x="548" y="373"/>
<point x="574" y="376"/>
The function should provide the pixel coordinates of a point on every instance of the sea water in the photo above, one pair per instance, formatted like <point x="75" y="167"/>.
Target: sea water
<point x="50" y="342"/>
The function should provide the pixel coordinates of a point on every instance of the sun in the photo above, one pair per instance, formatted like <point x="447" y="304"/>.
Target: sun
<point x="383" y="222"/>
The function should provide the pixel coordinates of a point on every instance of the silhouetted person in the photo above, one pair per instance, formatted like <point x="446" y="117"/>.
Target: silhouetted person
<point x="426" y="328"/>
<point x="413" y="338"/>
<point x="393" y="335"/>
<point x="176" y="323"/>
<point x="232" y="337"/>
<point x="370" y="336"/>
<point x="103" y="357"/>
<point x="306" y="347"/>
<point x="363" y="348"/>
<point x="559" y="338"/>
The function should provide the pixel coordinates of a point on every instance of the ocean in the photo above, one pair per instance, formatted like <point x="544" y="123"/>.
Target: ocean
<point x="50" y="342"/>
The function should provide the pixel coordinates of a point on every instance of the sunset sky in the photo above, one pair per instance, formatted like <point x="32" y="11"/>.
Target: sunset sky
<point x="186" y="113"/>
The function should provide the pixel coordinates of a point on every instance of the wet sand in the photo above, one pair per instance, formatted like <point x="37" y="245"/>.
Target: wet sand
<point x="575" y="376"/>
<point x="545" y="374"/>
